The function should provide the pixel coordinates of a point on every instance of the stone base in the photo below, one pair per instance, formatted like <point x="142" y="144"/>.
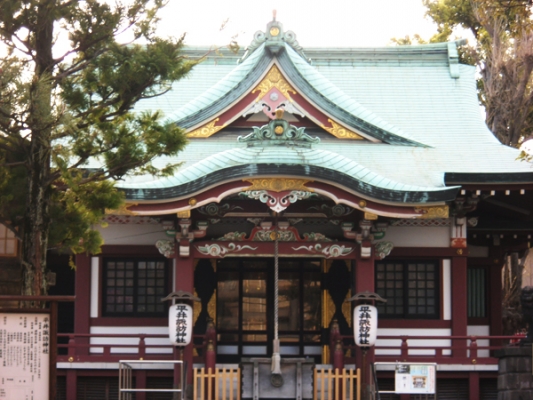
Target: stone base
<point x="515" y="381"/>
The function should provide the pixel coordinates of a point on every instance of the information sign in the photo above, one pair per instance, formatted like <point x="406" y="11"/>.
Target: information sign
<point x="24" y="356"/>
<point x="415" y="378"/>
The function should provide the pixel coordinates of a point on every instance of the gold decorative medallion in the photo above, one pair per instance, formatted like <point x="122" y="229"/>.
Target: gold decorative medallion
<point x="192" y="201"/>
<point x="206" y="130"/>
<point x="278" y="184"/>
<point x="362" y="203"/>
<point x="278" y="129"/>
<point x="341" y="132"/>
<point x="432" y="212"/>
<point x="122" y="210"/>
<point x="274" y="31"/>
<point x="274" y="78"/>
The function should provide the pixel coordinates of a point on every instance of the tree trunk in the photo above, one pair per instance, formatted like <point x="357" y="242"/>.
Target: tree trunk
<point x="512" y="286"/>
<point x="36" y="219"/>
<point x="36" y="225"/>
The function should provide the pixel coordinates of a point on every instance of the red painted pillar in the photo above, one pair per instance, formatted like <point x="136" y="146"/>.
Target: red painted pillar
<point x="459" y="303"/>
<point x="473" y="380"/>
<point x="494" y="309"/>
<point x="364" y="280"/>
<point x="140" y="383"/>
<point x="82" y="310"/>
<point x="82" y="306"/>
<point x="334" y="336"/>
<point x="71" y="382"/>
<point x="184" y="280"/>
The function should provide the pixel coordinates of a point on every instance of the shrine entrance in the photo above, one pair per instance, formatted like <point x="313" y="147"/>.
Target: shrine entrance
<point x="245" y="308"/>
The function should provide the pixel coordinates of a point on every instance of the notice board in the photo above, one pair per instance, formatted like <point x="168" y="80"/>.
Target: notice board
<point x="24" y="356"/>
<point x="415" y="378"/>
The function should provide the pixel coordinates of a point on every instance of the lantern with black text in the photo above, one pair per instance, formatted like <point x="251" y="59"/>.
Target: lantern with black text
<point x="180" y="321"/>
<point x="365" y="325"/>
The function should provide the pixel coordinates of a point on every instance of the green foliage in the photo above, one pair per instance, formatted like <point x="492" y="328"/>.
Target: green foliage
<point x="502" y="52"/>
<point x="67" y="124"/>
<point x="408" y="41"/>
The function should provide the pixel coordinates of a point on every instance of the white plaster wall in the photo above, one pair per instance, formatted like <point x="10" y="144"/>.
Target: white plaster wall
<point x="479" y="330"/>
<point x="95" y="269"/>
<point x="446" y="289"/>
<point x="155" y="330"/>
<point x="407" y="236"/>
<point x="412" y="342"/>
<point x="133" y="234"/>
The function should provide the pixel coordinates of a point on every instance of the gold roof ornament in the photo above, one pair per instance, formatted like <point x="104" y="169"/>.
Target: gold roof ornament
<point x="341" y="132"/>
<point x="278" y="184"/>
<point x="432" y="212"/>
<point x="206" y="130"/>
<point x="274" y="78"/>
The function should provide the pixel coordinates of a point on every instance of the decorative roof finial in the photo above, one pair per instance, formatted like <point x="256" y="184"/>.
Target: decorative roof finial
<point x="275" y="38"/>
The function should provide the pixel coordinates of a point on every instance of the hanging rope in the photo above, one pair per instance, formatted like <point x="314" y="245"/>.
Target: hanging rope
<point x="276" y="368"/>
<point x="276" y="286"/>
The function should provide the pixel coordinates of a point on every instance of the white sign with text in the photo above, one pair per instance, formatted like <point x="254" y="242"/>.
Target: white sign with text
<point x="415" y="378"/>
<point x="24" y="356"/>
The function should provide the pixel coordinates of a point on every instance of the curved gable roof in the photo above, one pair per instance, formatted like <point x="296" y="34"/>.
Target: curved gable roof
<point x="309" y="83"/>
<point x="224" y="93"/>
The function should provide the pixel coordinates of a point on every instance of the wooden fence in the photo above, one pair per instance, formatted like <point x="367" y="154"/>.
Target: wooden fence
<point x="225" y="384"/>
<point x="337" y="384"/>
<point x="221" y="384"/>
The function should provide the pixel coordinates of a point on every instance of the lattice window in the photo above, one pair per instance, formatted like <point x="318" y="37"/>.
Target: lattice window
<point x="476" y="290"/>
<point x="135" y="287"/>
<point x="8" y="242"/>
<point x="410" y="288"/>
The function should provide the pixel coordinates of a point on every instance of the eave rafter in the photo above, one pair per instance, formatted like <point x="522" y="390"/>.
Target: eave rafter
<point x="279" y="188"/>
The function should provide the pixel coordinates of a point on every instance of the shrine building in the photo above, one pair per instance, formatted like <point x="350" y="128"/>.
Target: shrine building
<point x="312" y="175"/>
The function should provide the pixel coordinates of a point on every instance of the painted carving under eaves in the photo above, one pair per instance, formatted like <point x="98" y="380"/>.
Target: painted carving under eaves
<point x="278" y="201"/>
<point x="268" y="233"/>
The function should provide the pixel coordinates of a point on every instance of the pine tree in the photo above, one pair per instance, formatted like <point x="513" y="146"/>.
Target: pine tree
<point x="67" y="126"/>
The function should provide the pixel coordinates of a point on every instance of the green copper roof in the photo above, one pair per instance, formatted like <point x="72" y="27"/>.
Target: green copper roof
<point x="418" y="94"/>
<point x="321" y="91"/>
<point x="273" y="160"/>
<point x="305" y="78"/>
<point x="223" y="93"/>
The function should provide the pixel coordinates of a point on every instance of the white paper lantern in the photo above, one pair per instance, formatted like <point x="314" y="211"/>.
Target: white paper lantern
<point x="180" y="324"/>
<point x="365" y="325"/>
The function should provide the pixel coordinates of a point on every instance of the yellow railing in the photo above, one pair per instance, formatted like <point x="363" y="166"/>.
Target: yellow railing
<point x="221" y="384"/>
<point x="225" y="384"/>
<point x="337" y="385"/>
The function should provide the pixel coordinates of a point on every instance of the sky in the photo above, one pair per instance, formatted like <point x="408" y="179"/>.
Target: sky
<point x="339" y="23"/>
